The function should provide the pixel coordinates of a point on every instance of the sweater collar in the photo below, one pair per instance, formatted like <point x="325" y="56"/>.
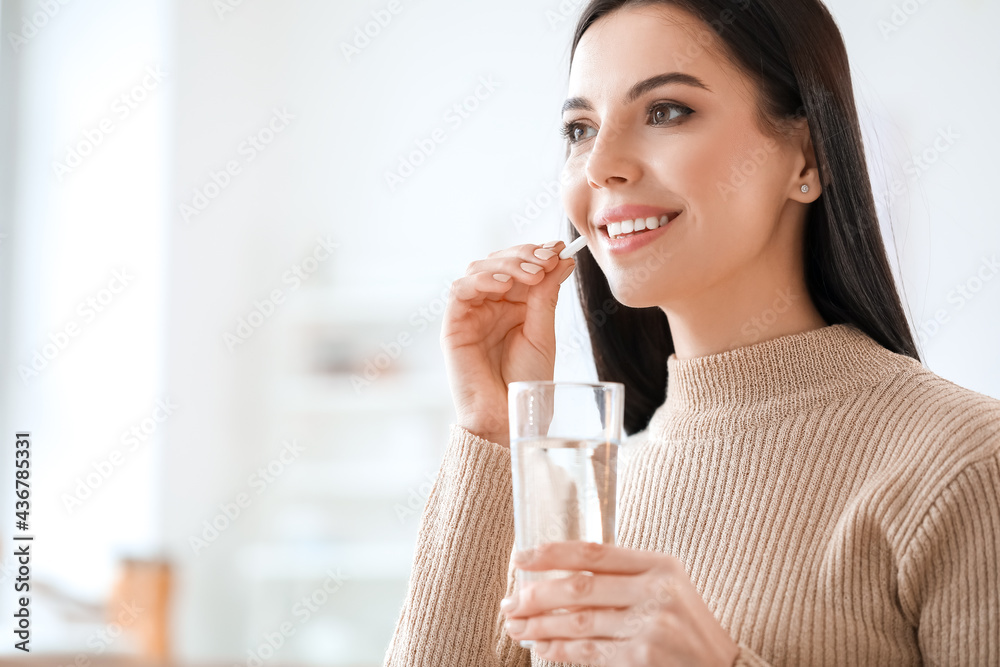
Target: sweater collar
<point x="739" y="387"/>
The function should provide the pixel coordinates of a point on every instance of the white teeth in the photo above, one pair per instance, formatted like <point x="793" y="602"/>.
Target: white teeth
<point x="618" y="229"/>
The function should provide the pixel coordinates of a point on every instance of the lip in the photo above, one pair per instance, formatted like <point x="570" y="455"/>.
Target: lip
<point x="632" y="242"/>
<point x="631" y="212"/>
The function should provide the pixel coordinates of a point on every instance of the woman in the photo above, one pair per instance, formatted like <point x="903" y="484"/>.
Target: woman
<point x="806" y="493"/>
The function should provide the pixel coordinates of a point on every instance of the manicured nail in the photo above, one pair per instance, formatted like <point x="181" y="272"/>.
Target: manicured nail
<point x="542" y="253"/>
<point x="515" y="625"/>
<point x="550" y="244"/>
<point x="508" y="603"/>
<point x="530" y="268"/>
<point x="502" y="277"/>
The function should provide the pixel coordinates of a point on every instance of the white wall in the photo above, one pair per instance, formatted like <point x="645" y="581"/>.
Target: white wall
<point x="369" y="453"/>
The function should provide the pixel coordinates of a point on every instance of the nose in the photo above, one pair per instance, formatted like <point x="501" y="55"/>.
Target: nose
<point x="612" y="161"/>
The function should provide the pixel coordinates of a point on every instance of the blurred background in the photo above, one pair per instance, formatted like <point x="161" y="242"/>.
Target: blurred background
<point x="227" y="228"/>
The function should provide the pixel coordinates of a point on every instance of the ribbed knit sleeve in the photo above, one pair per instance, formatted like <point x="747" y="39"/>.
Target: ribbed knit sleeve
<point x="461" y="569"/>
<point x="949" y="579"/>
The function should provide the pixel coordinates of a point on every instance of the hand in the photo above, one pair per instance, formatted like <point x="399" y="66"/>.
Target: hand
<point x="497" y="331"/>
<point x="637" y="608"/>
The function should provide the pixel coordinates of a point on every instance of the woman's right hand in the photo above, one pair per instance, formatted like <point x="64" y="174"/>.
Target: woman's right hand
<point x="497" y="331"/>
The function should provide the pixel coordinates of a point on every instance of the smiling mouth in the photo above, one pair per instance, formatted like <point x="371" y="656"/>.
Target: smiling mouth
<point x="617" y="230"/>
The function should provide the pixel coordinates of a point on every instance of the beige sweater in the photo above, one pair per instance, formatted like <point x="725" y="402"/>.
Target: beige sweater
<point x="835" y="503"/>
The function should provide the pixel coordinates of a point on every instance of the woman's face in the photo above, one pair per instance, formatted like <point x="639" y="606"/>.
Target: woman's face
<point x="646" y="143"/>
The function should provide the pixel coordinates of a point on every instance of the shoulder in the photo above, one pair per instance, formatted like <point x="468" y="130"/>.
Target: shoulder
<point x="937" y="442"/>
<point x="925" y="407"/>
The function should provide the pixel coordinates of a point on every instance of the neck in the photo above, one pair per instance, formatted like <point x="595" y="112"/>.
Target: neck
<point x="744" y="310"/>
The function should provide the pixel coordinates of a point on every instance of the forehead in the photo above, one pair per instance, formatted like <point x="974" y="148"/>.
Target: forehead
<point x="635" y="43"/>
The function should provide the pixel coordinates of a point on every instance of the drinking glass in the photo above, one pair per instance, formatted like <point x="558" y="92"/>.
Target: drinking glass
<point x="564" y="444"/>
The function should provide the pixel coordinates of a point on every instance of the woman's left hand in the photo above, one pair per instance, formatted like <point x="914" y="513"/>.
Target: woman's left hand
<point x="638" y="608"/>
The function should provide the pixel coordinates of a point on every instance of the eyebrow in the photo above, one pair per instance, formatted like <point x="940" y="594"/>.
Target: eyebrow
<point x="640" y="89"/>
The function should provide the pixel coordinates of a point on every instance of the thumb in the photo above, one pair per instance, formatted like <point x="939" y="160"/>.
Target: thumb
<point x="539" y="320"/>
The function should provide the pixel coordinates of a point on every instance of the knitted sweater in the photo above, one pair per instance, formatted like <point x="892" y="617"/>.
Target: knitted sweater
<point x="835" y="503"/>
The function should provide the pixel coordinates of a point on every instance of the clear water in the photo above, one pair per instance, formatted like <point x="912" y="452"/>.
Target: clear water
<point x="563" y="490"/>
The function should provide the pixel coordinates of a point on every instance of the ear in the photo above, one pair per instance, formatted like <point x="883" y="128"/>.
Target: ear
<point x="808" y="170"/>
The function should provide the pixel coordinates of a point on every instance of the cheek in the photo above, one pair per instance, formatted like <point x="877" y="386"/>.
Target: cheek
<point x="726" y="180"/>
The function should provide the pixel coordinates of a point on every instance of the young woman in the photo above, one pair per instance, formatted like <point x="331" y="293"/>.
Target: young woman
<point x="805" y="492"/>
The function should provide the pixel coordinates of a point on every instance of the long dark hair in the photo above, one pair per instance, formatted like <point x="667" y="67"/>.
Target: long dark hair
<point x="796" y="55"/>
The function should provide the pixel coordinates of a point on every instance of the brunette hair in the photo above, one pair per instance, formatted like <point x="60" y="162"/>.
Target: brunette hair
<point x="795" y="54"/>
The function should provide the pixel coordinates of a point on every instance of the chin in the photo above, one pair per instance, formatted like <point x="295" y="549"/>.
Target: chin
<point x="633" y="296"/>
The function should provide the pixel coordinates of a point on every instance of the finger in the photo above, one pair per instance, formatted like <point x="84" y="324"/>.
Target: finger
<point x="589" y="556"/>
<point x="527" y="261"/>
<point x="526" y="250"/>
<point x="478" y="286"/>
<point x="598" y="652"/>
<point x="577" y="590"/>
<point x="585" y="623"/>
<point x="542" y="298"/>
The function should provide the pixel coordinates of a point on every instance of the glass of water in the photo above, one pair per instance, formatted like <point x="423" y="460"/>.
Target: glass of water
<point x="564" y="444"/>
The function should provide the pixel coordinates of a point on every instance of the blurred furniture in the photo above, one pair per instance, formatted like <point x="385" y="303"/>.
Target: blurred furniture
<point x="143" y="585"/>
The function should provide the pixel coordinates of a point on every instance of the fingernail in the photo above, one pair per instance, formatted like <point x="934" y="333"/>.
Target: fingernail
<point x="541" y="645"/>
<point x="508" y="603"/>
<point x="515" y="625"/>
<point x="525" y="556"/>
<point x="530" y="268"/>
<point x="502" y="277"/>
<point x="550" y="244"/>
<point x="542" y="253"/>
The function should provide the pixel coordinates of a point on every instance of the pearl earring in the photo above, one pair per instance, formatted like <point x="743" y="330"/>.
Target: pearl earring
<point x="805" y="188"/>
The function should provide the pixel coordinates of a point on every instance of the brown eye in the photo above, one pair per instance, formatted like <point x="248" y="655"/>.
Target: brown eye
<point x="575" y="132"/>
<point x="660" y="114"/>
